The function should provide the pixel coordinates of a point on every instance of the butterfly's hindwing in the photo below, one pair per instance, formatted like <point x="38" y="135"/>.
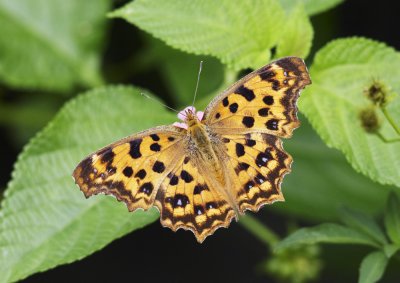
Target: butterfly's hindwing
<point x="257" y="163"/>
<point x="263" y="101"/>
<point x="188" y="200"/>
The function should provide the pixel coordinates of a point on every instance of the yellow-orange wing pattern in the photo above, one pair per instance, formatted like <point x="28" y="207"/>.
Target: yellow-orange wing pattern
<point x="263" y="101"/>
<point x="133" y="168"/>
<point x="256" y="164"/>
<point x="189" y="199"/>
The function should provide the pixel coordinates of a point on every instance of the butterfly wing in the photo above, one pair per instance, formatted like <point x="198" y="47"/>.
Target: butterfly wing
<point x="188" y="199"/>
<point x="133" y="168"/>
<point x="256" y="164"/>
<point x="263" y="101"/>
<point x="152" y="168"/>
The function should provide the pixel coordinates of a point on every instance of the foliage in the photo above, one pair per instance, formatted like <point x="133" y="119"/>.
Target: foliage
<point x="56" y="47"/>
<point x="57" y="39"/>
<point x="359" y="229"/>
<point x="341" y="71"/>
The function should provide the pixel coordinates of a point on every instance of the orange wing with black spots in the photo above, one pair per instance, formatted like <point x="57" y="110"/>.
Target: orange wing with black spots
<point x="188" y="199"/>
<point x="263" y="101"/>
<point x="132" y="169"/>
<point x="257" y="164"/>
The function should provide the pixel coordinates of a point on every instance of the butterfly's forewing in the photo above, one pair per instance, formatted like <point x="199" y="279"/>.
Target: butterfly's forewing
<point x="263" y="101"/>
<point x="256" y="163"/>
<point x="133" y="168"/>
<point x="187" y="199"/>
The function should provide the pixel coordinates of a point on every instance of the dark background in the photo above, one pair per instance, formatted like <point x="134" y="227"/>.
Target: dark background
<point x="157" y="254"/>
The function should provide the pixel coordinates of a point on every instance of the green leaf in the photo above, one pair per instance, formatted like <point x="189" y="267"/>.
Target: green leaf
<point x="45" y="219"/>
<point x="51" y="44"/>
<point x="390" y="250"/>
<point x="312" y="7"/>
<point x="341" y="72"/>
<point x="325" y="233"/>
<point x="392" y="218"/>
<point x="372" y="267"/>
<point x="298" y="34"/>
<point x="239" y="33"/>
<point x="364" y="224"/>
<point x="322" y="181"/>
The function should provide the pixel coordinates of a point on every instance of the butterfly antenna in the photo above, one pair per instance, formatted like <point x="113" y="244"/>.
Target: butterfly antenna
<point x="198" y="80"/>
<point x="152" y="98"/>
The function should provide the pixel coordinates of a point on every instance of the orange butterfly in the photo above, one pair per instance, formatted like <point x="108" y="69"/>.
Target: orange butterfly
<point x="215" y="165"/>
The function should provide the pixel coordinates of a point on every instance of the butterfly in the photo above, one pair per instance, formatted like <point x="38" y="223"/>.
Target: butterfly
<point x="214" y="165"/>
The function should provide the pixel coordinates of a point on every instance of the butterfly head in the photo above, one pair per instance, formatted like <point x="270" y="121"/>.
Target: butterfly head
<point x="189" y="116"/>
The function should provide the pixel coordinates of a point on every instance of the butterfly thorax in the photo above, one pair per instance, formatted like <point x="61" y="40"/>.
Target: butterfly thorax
<point x="203" y="145"/>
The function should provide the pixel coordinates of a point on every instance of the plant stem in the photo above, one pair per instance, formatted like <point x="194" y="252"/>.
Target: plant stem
<point x="391" y="121"/>
<point x="259" y="230"/>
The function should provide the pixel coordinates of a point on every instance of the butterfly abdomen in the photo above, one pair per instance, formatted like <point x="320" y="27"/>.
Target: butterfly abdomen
<point x="204" y="149"/>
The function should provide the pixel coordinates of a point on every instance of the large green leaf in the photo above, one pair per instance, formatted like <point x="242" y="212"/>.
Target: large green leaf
<point x="325" y="233"/>
<point x="51" y="44"/>
<point x="341" y="72"/>
<point x="45" y="219"/>
<point x="372" y="267"/>
<point x="239" y="33"/>
<point x="298" y="34"/>
<point x="312" y="7"/>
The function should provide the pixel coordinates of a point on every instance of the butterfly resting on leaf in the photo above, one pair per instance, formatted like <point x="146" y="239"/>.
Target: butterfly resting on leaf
<point x="206" y="170"/>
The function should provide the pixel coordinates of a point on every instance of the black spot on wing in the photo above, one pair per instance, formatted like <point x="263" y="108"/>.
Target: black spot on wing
<point x="185" y="175"/>
<point x="248" y="186"/>
<point x="107" y="155"/>
<point x="146" y="188"/>
<point x="263" y="112"/>
<point x="180" y="200"/>
<point x="272" y="124"/>
<point x="225" y="101"/>
<point x="259" y="179"/>
<point x="263" y="158"/>
<point x="245" y="92"/>
<point x="250" y="142"/>
<point x="268" y="99"/>
<point x="199" y="188"/>
<point x="127" y="171"/>
<point x="266" y="75"/>
<point x="141" y="174"/>
<point x="155" y="137"/>
<point x="242" y="166"/>
<point x="233" y="107"/>
<point x="174" y="180"/>
<point x="198" y="210"/>
<point x="158" y="167"/>
<point x="288" y="64"/>
<point x="239" y="150"/>
<point x="155" y="147"/>
<point x="134" y="151"/>
<point x="248" y="121"/>
<point x="211" y="205"/>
